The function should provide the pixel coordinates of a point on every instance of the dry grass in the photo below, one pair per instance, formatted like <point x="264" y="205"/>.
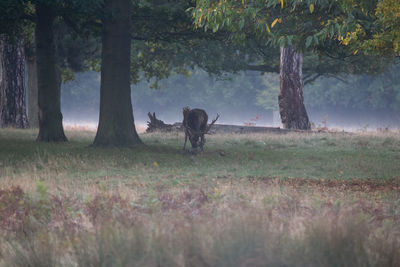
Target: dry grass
<point x="237" y="223"/>
<point x="157" y="206"/>
<point x="92" y="127"/>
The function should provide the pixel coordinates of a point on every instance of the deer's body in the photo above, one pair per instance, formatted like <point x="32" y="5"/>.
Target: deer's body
<point x="195" y="125"/>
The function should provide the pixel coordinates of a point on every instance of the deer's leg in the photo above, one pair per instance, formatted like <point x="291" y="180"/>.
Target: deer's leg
<point x="202" y="141"/>
<point x="186" y="136"/>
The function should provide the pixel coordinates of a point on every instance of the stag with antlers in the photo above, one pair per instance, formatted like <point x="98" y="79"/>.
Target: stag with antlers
<point x="195" y="125"/>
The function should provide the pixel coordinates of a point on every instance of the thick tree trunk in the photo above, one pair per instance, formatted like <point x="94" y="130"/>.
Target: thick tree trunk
<point x="116" y="123"/>
<point x="33" y="107"/>
<point x="12" y="85"/>
<point x="291" y="101"/>
<point x="49" y="91"/>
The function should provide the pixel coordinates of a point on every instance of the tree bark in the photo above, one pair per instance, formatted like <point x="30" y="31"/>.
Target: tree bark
<point x="49" y="82"/>
<point x="291" y="101"/>
<point x="12" y="85"/>
<point x="33" y="107"/>
<point x="116" y="123"/>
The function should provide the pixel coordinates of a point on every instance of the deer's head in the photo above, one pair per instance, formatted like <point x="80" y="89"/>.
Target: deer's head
<point x="185" y="112"/>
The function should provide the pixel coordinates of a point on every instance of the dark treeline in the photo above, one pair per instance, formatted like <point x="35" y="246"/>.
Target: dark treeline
<point x="350" y="101"/>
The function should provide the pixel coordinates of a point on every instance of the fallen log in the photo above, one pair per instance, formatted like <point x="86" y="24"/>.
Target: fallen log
<point x="155" y="124"/>
<point x="239" y="129"/>
<point x="158" y="125"/>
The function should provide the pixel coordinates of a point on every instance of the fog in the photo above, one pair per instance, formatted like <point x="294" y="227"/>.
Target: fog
<point x="246" y="98"/>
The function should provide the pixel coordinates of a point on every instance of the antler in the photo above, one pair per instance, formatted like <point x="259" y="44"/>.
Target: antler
<point x="211" y="124"/>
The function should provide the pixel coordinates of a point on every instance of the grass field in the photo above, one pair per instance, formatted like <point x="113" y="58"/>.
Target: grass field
<point x="248" y="200"/>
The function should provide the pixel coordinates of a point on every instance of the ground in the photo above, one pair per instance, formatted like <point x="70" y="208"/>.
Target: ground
<point x="310" y="199"/>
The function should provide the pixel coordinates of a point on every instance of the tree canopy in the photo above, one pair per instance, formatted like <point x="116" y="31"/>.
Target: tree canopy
<point x="372" y="25"/>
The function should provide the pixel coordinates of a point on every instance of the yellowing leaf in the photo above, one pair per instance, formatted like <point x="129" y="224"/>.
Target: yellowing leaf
<point x="155" y="164"/>
<point x="355" y="52"/>
<point x="268" y="29"/>
<point x="274" y="22"/>
<point x="281" y="3"/>
<point x="243" y="2"/>
<point x="311" y="8"/>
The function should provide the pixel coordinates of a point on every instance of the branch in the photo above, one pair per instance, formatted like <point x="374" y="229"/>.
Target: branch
<point x="173" y="36"/>
<point x="307" y="81"/>
<point x="262" y="68"/>
<point x="211" y="124"/>
<point x="306" y="76"/>
<point x="337" y="57"/>
<point x="338" y="78"/>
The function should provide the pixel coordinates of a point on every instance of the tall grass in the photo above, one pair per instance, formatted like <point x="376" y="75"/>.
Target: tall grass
<point x="262" y="200"/>
<point x="243" y="224"/>
<point x="237" y="242"/>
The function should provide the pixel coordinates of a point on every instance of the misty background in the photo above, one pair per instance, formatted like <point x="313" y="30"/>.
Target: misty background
<point x="350" y="102"/>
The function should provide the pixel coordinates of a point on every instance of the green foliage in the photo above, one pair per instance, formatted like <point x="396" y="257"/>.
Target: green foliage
<point x="304" y="23"/>
<point x="374" y="26"/>
<point x="75" y="53"/>
<point x="267" y="98"/>
<point x="388" y="36"/>
<point x="340" y="28"/>
<point x="41" y="189"/>
<point x="165" y="43"/>
<point x="77" y="48"/>
<point x="67" y="75"/>
<point x="12" y="13"/>
<point x="359" y="92"/>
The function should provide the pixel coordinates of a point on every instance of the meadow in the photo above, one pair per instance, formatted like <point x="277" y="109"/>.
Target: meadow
<point x="298" y="199"/>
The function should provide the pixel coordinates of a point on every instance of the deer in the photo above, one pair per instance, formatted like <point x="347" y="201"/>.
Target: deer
<point x="195" y="126"/>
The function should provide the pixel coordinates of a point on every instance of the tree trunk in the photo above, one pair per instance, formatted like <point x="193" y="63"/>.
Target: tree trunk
<point x="116" y="123"/>
<point x="291" y="101"/>
<point x="33" y="107"/>
<point x="49" y="90"/>
<point x="12" y="85"/>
